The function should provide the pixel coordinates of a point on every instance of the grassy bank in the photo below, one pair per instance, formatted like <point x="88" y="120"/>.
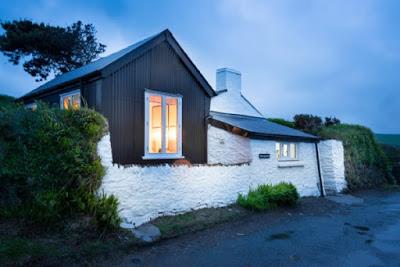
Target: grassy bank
<point x="366" y="164"/>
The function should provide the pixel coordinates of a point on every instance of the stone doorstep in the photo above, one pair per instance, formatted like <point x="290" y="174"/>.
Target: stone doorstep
<point x="147" y="233"/>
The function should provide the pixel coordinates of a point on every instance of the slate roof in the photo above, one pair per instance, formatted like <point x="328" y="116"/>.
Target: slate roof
<point x="260" y="127"/>
<point x="101" y="63"/>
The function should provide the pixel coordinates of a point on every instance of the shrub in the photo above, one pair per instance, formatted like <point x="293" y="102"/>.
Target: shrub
<point x="6" y="101"/>
<point x="49" y="165"/>
<point x="366" y="165"/>
<point x="329" y="121"/>
<point x="308" y="123"/>
<point x="282" y="122"/>
<point x="266" y="197"/>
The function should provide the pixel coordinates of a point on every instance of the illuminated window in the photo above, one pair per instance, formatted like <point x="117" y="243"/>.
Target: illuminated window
<point x="286" y="151"/>
<point x="31" y="106"/>
<point x="163" y="120"/>
<point x="70" y="100"/>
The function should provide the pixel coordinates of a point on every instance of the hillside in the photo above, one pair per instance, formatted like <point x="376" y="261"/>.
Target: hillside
<point x="388" y="139"/>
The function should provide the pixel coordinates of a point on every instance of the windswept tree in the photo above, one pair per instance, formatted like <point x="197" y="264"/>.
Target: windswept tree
<point x="46" y="49"/>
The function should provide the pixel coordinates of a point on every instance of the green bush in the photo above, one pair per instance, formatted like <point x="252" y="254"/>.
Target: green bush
<point x="266" y="197"/>
<point x="6" y="101"/>
<point x="49" y="165"/>
<point x="308" y="123"/>
<point x="366" y="165"/>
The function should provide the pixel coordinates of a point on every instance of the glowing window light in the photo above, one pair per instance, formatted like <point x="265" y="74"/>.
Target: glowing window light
<point x="163" y="129"/>
<point x="71" y="100"/>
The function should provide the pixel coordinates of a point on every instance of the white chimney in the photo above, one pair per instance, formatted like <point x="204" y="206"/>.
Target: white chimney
<point x="229" y="79"/>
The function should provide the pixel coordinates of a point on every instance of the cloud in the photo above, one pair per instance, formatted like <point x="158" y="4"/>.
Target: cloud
<point x="330" y="58"/>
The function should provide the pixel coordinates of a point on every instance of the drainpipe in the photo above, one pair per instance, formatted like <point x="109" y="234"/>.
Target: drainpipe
<point x="321" y="185"/>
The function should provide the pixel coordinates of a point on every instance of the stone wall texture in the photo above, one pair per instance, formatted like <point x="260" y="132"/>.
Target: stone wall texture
<point x="332" y="166"/>
<point x="227" y="148"/>
<point x="148" y="192"/>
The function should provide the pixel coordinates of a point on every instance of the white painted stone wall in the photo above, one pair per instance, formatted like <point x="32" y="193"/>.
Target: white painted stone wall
<point x="332" y="166"/>
<point x="227" y="148"/>
<point x="145" y="193"/>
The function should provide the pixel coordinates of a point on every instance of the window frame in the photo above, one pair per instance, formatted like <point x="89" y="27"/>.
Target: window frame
<point x="163" y="155"/>
<point x="31" y="106"/>
<point x="280" y="156"/>
<point x="70" y="94"/>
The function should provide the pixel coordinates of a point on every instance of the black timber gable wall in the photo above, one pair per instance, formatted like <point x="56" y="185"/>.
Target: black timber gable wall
<point x="123" y="87"/>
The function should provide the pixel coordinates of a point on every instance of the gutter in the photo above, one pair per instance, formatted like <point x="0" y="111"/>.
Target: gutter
<point x="321" y="185"/>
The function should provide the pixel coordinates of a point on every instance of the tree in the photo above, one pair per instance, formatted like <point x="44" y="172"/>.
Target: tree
<point x="308" y="123"/>
<point x="48" y="49"/>
<point x="329" y="121"/>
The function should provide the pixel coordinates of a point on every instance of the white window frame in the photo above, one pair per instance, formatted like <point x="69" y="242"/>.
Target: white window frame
<point x="31" y="106"/>
<point x="70" y="94"/>
<point x="280" y="157"/>
<point x="163" y="154"/>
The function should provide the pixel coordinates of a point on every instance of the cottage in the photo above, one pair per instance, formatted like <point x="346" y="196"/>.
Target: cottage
<point x="161" y="110"/>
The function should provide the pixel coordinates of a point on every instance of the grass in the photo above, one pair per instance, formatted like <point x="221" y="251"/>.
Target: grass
<point x="78" y="243"/>
<point x="266" y="197"/>
<point x="19" y="251"/>
<point x="366" y="164"/>
<point x="24" y="244"/>
<point x="172" y="226"/>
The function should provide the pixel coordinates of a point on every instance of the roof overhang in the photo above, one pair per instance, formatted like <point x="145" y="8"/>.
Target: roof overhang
<point x="244" y="130"/>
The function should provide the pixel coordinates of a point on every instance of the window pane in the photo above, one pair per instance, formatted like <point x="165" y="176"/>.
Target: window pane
<point x="285" y="151"/>
<point x="155" y="126"/>
<point x="293" y="151"/>
<point x="172" y="124"/>
<point x="67" y="102"/>
<point x="76" y="101"/>
<point x="278" y="150"/>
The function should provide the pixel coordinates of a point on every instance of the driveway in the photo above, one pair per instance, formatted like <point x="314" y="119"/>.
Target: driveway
<point x="318" y="232"/>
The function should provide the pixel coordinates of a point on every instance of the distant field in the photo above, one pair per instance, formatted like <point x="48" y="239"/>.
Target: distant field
<point x="388" y="139"/>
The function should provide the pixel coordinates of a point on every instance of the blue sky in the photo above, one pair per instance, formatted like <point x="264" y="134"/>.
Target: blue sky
<point x="329" y="58"/>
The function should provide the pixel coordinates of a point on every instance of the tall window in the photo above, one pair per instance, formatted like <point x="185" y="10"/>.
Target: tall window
<point x="163" y="120"/>
<point x="70" y="100"/>
<point x="286" y="151"/>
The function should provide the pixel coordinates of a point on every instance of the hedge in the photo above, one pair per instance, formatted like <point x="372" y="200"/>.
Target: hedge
<point x="50" y="170"/>
<point x="366" y="165"/>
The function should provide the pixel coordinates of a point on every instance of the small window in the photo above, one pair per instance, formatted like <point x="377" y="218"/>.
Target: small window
<point x="163" y="130"/>
<point x="71" y="100"/>
<point x="286" y="151"/>
<point x="31" y="106"/>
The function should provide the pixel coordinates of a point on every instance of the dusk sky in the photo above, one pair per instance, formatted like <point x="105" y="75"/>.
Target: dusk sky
<point x="328" y="58"/>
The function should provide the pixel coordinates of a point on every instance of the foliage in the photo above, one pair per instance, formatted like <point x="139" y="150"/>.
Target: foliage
<point x="366" y="165"/>
<point x="265" y="197"/>
<point x="308" y="123"/>
<point x="329" y="121"/>
<point x="49" y="49"/>
<point x="6" y="101"/>
<point x="49" y="166"/>
<point x="282" y="122"/>
<point x="393" y="154"/>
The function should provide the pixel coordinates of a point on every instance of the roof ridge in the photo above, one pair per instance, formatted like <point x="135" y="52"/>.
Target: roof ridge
<point x="109" y="59"/>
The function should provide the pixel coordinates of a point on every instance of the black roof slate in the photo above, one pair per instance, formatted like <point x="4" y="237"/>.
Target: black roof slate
<point x="260" y="127"/>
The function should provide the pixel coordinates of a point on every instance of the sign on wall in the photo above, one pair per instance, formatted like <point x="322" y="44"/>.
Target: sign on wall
<point x="264" y="156"/>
